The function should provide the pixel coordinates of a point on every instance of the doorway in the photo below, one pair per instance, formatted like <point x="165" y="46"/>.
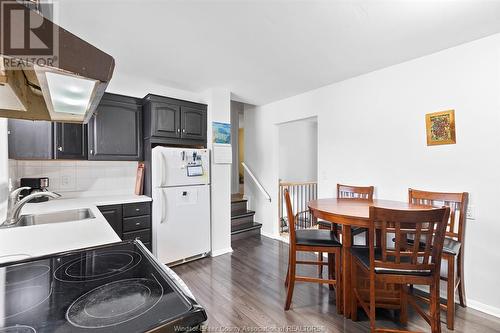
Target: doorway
<point x="298" y="169"/>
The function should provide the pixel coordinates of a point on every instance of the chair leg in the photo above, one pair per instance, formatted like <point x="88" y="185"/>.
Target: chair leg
<point x="331" y="259"/>
<point x="320" y="267"/>
<point x="372" y="302"/>
<point x="461" y="277"/>
<point x="435" y="308"/>
<point x="287" y="273"/>
<point x="450" y="294"/>
<point x="291" y="280"/>
<point x="339" y="290"/>
<point x="354" y="300"/>
<point x="403" y="313"/>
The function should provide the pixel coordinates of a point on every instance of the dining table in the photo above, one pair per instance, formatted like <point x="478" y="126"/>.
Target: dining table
<point x="349" y="213"/>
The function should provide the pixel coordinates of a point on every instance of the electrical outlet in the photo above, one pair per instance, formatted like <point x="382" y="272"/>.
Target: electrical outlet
<point x="470" y="213"/>
<point x="65" y="180"/>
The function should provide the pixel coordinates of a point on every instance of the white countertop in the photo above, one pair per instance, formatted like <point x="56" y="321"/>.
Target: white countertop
<point x="33" y="241"/>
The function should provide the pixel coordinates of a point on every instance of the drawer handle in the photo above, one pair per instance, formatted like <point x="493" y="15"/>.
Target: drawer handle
<point x="138" y="223"/>
<point x="137" y="209"/>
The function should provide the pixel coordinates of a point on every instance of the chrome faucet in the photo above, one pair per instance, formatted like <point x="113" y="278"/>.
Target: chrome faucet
<point x="15" y="205"/>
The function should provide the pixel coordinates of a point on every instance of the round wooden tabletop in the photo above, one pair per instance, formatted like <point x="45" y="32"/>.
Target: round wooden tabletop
<point x="354" y="212"/>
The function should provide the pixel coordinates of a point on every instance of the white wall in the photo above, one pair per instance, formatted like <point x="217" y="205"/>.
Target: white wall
<point x="4" y="170"/>
<point x="371" y="130"/>
<point x="298" y="151"/>
<point x="220" y="111"/>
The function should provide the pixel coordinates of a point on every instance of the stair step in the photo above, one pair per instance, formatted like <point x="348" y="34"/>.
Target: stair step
<point x="237" y="198"/>
<point x="243" y="213"/>
<point x="244" y="231"/>
<point x="245" y="227"/>
<point x="238" y="207"/>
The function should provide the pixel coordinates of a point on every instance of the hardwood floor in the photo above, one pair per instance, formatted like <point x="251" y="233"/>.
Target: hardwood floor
<point x="245" y="290"/>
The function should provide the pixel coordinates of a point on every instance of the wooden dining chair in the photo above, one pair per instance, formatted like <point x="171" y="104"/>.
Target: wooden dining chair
<point x="312" y="240"/>
<point x="401" y="262"/>
<point x="453" y="249"/>
<point x="364" y="193"/>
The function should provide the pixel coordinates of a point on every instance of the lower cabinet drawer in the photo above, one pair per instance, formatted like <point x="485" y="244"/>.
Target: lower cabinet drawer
<point x="142" y="235"/>
<point x="136" y="223"/>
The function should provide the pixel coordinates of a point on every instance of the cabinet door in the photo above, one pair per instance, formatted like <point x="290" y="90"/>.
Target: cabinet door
<point x="165" y="120"/>
<point x="193" y="123"/>
<point x="113" y="214"/>
<point x="70" y="141"/>
<point x="115" y="131"/>
<point x="30" y="139"/>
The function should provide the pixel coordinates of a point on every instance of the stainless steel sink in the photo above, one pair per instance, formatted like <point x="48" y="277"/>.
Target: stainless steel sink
<point x="56" y="217"/>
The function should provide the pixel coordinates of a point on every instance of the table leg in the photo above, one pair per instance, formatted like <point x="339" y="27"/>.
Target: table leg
<point x="346" y="268"/>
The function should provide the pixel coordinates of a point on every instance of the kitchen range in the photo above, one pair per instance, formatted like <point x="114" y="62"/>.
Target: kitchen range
<point x="119" y="287"/>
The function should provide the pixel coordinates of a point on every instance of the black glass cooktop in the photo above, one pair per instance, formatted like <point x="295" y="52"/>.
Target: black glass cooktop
<point x="113" y="288"/>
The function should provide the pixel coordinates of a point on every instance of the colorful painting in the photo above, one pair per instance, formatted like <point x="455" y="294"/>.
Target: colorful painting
<point x="221" y="133"/>
<point x="440" y="128"/>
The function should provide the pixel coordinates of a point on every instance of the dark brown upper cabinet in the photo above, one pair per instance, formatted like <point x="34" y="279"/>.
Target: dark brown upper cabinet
<point x="115" y="129"/>
<point x="30" y="139"/>
<point x="175" y="122"/>
<point x="70" y="141"/>
<point x="193" y="123"/>
<point x="43" y="140"/>
<point x="166" y="120"/>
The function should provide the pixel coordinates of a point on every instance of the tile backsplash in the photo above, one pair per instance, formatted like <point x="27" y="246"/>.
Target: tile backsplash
<point x="76" y="177"/>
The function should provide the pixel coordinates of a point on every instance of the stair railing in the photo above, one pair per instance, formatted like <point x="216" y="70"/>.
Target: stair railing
<point x="256" y="181"/>
<point x="300" y="195"/>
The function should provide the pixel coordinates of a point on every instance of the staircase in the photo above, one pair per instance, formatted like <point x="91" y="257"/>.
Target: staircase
<point x="242" y="223"/>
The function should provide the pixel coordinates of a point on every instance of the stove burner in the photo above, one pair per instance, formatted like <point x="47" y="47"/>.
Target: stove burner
<point x="24" y="299"/>
<point x="92" y="267"/>
<point x="115" y="303"/>
<point x="22" y="274"/>
<point x="17" y="329"/>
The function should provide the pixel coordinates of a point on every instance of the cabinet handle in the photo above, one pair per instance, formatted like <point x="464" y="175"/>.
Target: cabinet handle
<point x="60" y="148"/>
<point x="183" y="130"/>
<point x="138" y="223"/>
<point x="91" y="151"/>
<point x="137" y="210"/>
<point x="178" y="130"/>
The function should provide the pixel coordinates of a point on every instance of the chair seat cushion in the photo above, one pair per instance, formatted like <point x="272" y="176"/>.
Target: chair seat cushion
<point x="315" y="237"/>
<point x="362" y="253"/>
<point x="450" y="245"/>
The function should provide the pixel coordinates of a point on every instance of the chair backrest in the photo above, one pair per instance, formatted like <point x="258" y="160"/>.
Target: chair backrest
<point x="425" y="226"/>
<point x="355" y="192"/>
<point x="458" y="208"/>
<point x="291" y="216"/>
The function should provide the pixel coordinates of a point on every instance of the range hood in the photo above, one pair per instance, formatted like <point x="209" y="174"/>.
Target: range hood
<point x="65" y="85"/>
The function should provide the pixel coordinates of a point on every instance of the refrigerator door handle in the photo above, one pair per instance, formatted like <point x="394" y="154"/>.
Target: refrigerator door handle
<point x="163" y="168"/>
<point x="163" y="207"/>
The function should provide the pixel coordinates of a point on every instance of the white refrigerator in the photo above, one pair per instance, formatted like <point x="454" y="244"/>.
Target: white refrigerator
<point x="181" y="203"/>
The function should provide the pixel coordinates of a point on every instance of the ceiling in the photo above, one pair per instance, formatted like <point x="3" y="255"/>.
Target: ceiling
<point x="268" y="50"/>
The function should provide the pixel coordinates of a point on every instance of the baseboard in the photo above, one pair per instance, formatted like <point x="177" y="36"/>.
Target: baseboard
<point x="272" y="236"/>
<point x="488" y="309"/>
<point x="220" y="252"/>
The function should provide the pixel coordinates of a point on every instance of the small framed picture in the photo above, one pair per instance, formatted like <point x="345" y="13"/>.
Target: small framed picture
<point x="440" y="128"/>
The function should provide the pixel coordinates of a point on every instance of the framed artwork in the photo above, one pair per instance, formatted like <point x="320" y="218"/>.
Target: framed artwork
<point x="440" y="128"/>
<point x="221" y="133"/>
